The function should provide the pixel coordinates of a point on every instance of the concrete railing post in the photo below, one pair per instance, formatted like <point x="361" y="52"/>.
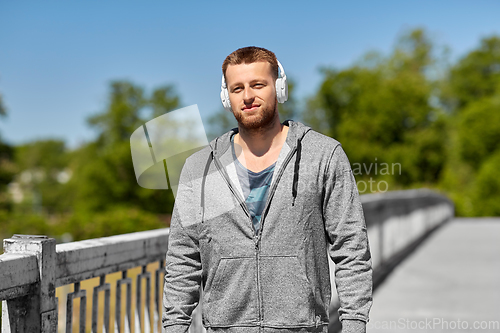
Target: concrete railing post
<point x="36" y="312"/>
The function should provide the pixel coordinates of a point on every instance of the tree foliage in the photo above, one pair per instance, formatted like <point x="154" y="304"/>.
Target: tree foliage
<point x="379" y="110"/>
<point x="3" y="110"/>
<point x="479" y="130"/>
<point x="486" y="188"/>
<point x="475" y="76"/>
<point x="42" y="174"/>
<point x="444" y="130"/>
<point x="471" y="93"/>
<point x="105" y="171"/>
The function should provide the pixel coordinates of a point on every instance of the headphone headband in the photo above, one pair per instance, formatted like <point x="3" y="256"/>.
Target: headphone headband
<point x="281" y="70"/>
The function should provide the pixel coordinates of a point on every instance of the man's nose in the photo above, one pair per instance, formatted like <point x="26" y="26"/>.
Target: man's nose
<point x="248" y="95"/>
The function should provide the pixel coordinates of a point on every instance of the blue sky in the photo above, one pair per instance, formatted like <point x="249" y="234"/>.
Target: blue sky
<point x="58" y="57"/>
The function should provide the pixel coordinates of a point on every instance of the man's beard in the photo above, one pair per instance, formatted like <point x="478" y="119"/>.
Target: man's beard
<point x="258" y="121"/>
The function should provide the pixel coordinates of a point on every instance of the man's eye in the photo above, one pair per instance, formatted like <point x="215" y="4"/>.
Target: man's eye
<point x="237" y="89"/>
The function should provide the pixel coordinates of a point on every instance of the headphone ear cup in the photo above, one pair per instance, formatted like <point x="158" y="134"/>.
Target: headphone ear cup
<point x="224" y="97"/>
<point x="282" y="89"/>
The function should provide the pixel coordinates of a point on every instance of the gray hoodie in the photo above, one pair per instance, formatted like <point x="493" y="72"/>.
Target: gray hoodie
<point x="278" y="279"/>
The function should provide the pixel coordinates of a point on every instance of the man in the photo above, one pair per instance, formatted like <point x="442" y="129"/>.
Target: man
<point x="256" y="215"/>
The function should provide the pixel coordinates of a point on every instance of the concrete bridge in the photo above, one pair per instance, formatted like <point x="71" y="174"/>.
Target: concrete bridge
<point x="428" y="267"/>
<point x="450" y="283"/>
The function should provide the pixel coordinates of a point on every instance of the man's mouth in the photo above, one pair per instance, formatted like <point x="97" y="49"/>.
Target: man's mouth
<point x="250" y="108"/>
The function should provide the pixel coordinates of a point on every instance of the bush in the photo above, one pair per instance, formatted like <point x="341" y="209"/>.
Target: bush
<point x="114" y="221"/>
<point x="486" y="193"/>
<point x="81" y="225"/>
<point x="26" y="224"/>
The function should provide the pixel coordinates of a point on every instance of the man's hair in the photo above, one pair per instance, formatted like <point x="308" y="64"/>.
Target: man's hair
<point x="249" y="55"/>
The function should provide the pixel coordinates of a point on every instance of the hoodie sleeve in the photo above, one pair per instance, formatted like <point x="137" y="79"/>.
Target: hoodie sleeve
<point x="183" y="263"/>
<point x="348" y="241"/>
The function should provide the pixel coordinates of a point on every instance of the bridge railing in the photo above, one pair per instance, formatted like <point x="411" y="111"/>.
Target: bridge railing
<point x="397" y="222"/>
<point x="32" y="267"/>
<point x="130" y="270"/>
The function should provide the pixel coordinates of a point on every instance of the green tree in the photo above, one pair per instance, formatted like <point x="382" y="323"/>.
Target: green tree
<point x="7" y="173"/>
<point x="475" y="76"/>
<point x="3" y="110"/>
<point x="7" y="166"/>
<point x="379" y="110"/>
<point x="115" y="220"/>
<point x="219" y="123"/>
<point x="471" y="94"/>
<point x="104" y="169"/>
<point x="42" y="175"/>
<point x="479" y="130"/>
<point x="486" y="189"/>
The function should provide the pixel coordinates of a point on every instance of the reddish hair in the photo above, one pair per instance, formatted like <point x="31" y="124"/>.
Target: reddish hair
<point x="249" y="55"/>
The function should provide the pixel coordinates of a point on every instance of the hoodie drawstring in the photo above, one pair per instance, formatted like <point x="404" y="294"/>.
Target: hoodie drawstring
<point x="205" y="173"/>
<point x="295" y="184"/>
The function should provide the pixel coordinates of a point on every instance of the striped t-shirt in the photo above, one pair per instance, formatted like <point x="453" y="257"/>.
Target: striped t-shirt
<point x="255" y="186"/>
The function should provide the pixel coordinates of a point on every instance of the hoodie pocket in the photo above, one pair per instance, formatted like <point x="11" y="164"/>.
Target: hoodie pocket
<point x="286" y="292"/>
<point x="232" y="298"/>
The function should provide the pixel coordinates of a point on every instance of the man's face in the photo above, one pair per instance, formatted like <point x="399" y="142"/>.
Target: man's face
<point x="252" y="94"/>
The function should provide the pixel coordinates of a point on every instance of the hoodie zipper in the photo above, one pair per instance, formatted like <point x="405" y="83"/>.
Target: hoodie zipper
<point x="259" y="294"/>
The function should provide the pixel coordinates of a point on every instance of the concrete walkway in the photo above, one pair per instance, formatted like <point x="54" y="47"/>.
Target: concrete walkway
<point x="451" y="283"/>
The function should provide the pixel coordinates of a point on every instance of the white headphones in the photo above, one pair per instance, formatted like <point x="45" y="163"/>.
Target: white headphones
<point x="281" y="89"/>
